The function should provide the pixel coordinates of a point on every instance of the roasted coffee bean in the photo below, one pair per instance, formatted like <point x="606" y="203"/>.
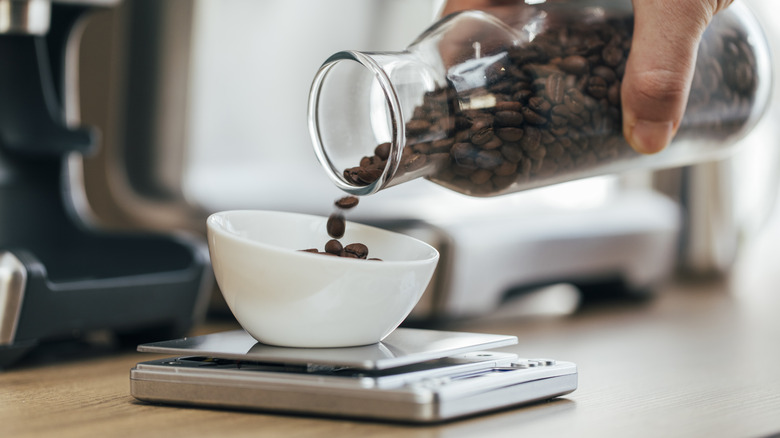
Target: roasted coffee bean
<point x="496" y="142"/>
<point x="613" y="95"/>
<point x="508" y="118"/>
<point x="612" y="55"/>
<point x="461" y="151"/>
<point x="333" y="246"/>
<point x="347" y="202"/>
<point x="512" y="152"/>
<point x="531" y="139"/>
<point x="359" y="250"/>
<point x="480" y="176"/>
<point x="605" y="73"/>
<point x="482" y="136"/>
<point x="574" y="101"/>
<point x="417" y="126"/>
<point x="420" y="148"/>
<point x="367" y="175"/>
<point x="554" y="88"/>
<point x="509" y="106"/>
<point x="442" y="145"/>
<point x="314" y="250"/>
<point x="488" y="159"/>
<point x="533" y="117"/>
<point x="510" y="134"/>
<point x="539" y="105"/>
<point x="505" y="168"/>
<point x="597" y="87"/>
<point x="574" y="64"/>
<point x="382" y="151"/>
<point x="336" y="226"/>
<point x="367" y="161"/>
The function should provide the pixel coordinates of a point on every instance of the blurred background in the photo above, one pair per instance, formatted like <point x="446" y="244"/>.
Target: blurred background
<point x="200" y="106"/>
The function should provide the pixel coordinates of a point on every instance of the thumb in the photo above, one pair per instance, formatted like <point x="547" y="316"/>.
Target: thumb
<point x="660" y="68"/>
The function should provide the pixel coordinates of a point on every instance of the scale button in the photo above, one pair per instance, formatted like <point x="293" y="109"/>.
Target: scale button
<point x="525" y="364"/>
<point x="545" y="362"/>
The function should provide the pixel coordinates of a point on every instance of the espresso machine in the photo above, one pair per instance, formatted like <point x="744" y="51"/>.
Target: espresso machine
<point x="60" y="275"/>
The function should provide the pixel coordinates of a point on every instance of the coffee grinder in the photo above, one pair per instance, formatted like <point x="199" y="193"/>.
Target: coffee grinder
<point x="61" y="276"/>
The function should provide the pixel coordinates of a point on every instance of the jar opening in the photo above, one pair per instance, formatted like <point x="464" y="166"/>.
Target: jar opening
<point x="352" y="109"/>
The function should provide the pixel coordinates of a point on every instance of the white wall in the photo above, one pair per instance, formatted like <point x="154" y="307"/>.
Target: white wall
<point x="248" y="144"/>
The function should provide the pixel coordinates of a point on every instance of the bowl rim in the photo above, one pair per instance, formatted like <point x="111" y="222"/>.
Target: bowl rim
<point x="212" y="226"/>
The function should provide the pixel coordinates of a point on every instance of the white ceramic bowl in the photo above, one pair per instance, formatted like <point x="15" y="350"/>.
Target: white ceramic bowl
<point x="283" y="296"/>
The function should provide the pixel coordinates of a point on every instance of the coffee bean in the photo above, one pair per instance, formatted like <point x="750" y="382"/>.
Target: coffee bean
<point x="613" y="94"/>
<point x="482" y="136"/>
<point x="382" y="151"/>
<point x="359" y="250"/>
<point x="506" y="168"/>
<point x="510" y="134"/>
<point x="531" y="139"/>
<point x="605" y="73"/>
<point x="420" y="148"/>
<point x="333" y="246"/>
<point x="461" y="151"/>
<point x="539" y="105"/>
<point x="612" y="55"/>
<point x="509" y="106"/>
<point x="554" y="88"/>
<point x="417" y="126"/>
<point x="488" y="159"/>
<point x="347" y="202"/>
<point x="442" y="145"/>
<point x="480" y="176"/>
<point x="367" y="175"/>
<point x="574" y="64"/>
<point x="512" y="152"/>
<point x="597" y="87"/>
<point x="508" y="118"/>
<point x="336" y="226"/>
<point x="496" y="142"/>
<point x="533" y="117"/>
<point x="574" y="101"/>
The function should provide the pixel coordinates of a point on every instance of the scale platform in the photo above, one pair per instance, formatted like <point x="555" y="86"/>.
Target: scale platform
<point x="413" y="375"/>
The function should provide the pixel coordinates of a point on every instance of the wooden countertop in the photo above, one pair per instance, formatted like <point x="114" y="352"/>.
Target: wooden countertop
<point x="697" y="360"/>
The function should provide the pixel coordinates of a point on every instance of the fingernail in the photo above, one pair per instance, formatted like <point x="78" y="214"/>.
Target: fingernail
<point x="648" y="137"/>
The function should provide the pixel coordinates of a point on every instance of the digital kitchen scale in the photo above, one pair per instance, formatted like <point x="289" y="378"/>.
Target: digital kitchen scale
<point x="413" y="375"/>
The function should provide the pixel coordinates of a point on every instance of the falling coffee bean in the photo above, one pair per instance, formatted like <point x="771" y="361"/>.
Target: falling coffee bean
<point x="347" y="202"/>
<point x="336" y="226"/>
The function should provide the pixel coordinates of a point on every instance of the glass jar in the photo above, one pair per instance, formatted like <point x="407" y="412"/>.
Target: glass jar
<point x="485" y="106"/>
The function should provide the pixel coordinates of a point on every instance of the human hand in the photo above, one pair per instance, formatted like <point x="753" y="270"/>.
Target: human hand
<point x="660" y="68"/>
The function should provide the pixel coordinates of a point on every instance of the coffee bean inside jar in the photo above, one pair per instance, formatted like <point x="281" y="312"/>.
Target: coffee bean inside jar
<point x="549" y="110"/>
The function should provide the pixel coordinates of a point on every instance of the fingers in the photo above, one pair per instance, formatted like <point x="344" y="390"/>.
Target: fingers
<point x="660" y="68"/>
